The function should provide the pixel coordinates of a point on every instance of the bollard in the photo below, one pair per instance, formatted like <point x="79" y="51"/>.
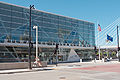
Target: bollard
<point x="103" y="60"/>
<point x="95" y="60"/>
<point x="80" y="60"/>
<point x="119" y="58"/>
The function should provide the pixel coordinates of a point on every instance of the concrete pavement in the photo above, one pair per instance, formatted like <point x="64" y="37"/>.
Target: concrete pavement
<point x="60" y="66"/>
<point x="69" y="71"/>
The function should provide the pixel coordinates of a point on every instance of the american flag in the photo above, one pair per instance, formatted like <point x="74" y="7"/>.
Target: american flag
<point x="99" y="28"/>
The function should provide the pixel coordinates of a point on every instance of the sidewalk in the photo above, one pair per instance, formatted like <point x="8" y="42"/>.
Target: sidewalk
<point x="60" y="66"/>
<point x="49" y="67"/>
<point x="12" y="71"/>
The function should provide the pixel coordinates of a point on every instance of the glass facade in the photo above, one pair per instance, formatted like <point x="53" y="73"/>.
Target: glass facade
<point x="14" y="26"/>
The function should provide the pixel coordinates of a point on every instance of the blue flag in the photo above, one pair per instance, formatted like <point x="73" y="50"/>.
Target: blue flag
<point x="109" y="38"/>
<point x="73" y="33"/>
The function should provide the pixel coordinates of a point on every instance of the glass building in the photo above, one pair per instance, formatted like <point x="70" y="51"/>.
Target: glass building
<point x="52" y="29"/>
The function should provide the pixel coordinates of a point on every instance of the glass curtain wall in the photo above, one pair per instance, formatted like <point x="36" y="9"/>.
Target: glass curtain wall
<point x="14" y="25"/>
<point x="52" y="28"/>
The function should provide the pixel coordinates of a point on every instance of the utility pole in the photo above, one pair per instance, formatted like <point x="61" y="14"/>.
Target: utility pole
<point x="30" y="45"/>
<point x="56" y="53"/>
<point x="118" y="44"/>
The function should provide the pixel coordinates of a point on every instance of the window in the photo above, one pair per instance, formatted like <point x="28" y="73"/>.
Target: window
<point x="46" y="19"/>
<point x="46" y="14"/>
<point x="17" y="20"/>
<point x="5" y="18"/>
<point x="5" y="12"/>
<point x="6" y="24"/>
<point x="54" y="16"/>
<point x="37" y="18"/>
<point x="81" y="22"/>
<point x="19" y="9"/>
<point x="62" y="18"/>
<point x="38" y="13"/>
<point x="16" y="25"/>
<point x="16" y="14"/>
<point x="5" y="6"/>
<point x="54" y="21"/>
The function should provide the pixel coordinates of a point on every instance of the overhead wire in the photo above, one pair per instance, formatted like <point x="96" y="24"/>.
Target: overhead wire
<point x="102" y="34"/>
<point x="104" y="29"/>
<point x="108" y="31"/>
<point x="113" y="33"/>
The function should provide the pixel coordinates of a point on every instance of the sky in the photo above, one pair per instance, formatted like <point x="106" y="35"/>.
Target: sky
<point x="103" y="12"/>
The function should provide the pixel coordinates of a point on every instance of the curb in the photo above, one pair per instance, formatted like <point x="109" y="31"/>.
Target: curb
<point x="22" y="71"/>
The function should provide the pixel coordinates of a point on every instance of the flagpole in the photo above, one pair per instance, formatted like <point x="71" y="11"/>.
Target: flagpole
<point x="117" y="42"/>
<point x="99" y="46"/>
<point x="98" y="42"/>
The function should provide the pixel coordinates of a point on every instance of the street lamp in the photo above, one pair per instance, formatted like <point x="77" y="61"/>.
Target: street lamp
<point x="56" y="53"/>
<point x="36" y="27"/>
<point x="30" y="45"/>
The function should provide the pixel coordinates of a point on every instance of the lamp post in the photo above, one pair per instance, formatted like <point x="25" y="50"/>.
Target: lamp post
<point x="30" y="45"/>
<point x="36" y="27"/>
<point x="56" y="52"/>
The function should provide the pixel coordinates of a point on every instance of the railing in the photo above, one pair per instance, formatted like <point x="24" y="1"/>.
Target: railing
<point x="9" y="60"/>
<point x="47" y="43"/>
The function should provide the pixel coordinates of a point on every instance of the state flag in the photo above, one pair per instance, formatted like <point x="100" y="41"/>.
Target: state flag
<point x="109" y="38"/>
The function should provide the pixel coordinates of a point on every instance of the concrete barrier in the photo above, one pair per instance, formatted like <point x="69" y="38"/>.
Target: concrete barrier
<point x="44" y="63"/>
<point x="18" y="65"/>
<point x="15" y="65"/>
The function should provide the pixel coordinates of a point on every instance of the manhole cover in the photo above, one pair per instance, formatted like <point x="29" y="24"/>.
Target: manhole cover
<point x="62" y="78"/>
